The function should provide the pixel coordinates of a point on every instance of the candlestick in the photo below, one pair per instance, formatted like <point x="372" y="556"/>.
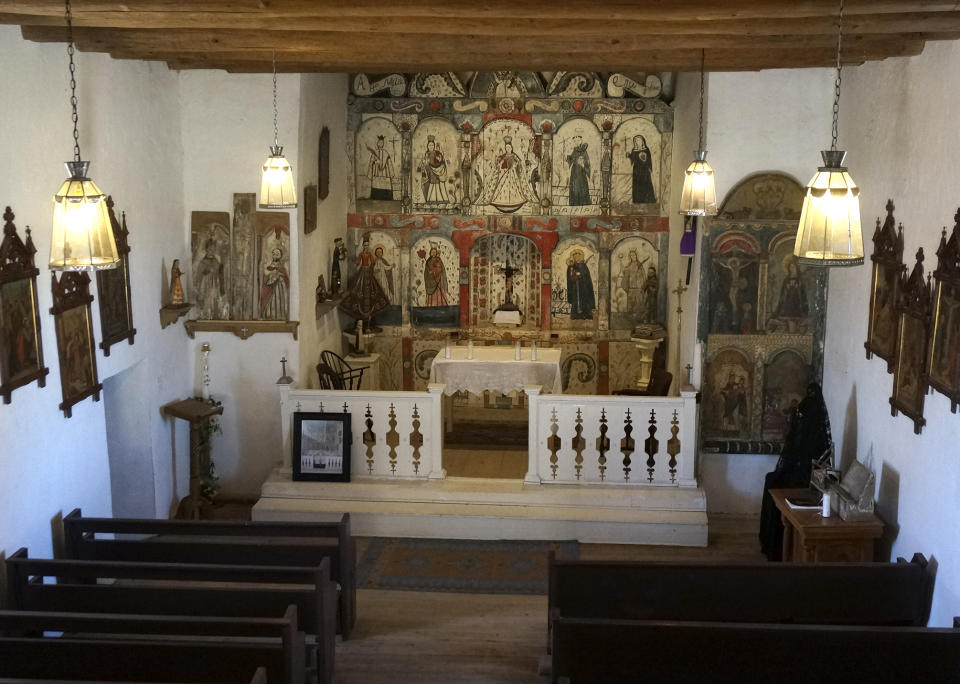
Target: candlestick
<point x="533" y="351"/>
<point x="469" y="349"/>
<point x="446" y="351"/>
<point x="516" y="350"/>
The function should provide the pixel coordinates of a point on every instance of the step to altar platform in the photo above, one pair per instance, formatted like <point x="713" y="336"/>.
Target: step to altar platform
<point x="475" y="508"/>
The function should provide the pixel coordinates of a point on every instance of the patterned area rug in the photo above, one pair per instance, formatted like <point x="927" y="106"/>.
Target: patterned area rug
<point x="456" y="565"/>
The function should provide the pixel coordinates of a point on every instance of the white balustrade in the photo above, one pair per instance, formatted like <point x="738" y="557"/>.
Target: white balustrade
<point x="559" y="424"/>
<point x="387" y="447"/>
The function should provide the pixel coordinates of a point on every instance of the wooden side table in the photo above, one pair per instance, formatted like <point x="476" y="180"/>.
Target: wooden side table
<point x="809" y="537"/>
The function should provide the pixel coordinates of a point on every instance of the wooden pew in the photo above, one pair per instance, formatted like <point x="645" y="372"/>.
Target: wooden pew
<point x="588" y="650"/>
<point x="259" y="676"/>
<point x="237" y="591"/>
<point x="223" y="542"/>
<point x="114" y="647"/>
<point x="891" y="594"/>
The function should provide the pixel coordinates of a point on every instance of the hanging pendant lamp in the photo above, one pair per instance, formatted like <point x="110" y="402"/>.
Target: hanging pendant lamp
<point x="699" y="196"/>
<point x="82" y="237"/>
<point x="277" y="190"/>
<point x="829" y="233"/>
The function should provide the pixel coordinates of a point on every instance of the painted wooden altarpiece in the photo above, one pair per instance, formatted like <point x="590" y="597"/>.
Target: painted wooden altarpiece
<point x="113" y="289"/>
<point x="761" y="317"/>
<point x="913" y="326"/>
<point x="543" y="193"/>
<point x="21" y="347"/>
<point x="943" y="364"/>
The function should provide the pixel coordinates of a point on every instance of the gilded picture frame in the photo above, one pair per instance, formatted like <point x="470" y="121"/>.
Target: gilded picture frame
<point x="887" y="260"/>
<point x="113" y="289"/>
<point x="943" y="359"/>
<point x="75" y="343"/>
<point x="909" y="375"/>
<point x="21" y="346"/>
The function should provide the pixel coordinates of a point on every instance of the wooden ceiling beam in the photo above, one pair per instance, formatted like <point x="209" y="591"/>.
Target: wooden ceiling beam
<point x="548" y="27"/>
<point x="291" y="44"/>
<point x="721" y="59"/>
<point x="508" y="10"/>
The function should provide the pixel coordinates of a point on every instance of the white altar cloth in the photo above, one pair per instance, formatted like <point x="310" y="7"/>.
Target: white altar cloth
<point x="496" y="368"/>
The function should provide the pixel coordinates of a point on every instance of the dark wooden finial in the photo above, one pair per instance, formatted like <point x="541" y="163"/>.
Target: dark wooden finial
<point x="920" y="255"/>
<point x="890" y="207"/>
<point x="8" y="227"/>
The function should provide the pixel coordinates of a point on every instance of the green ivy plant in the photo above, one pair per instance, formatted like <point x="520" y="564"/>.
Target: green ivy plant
<point x="202" y="453"/>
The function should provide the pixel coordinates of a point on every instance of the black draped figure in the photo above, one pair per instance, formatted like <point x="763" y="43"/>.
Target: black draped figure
<point x="807" y="438"/>
<point x="642" y="180"/>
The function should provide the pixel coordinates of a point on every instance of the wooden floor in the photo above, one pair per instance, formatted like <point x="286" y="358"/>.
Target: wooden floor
<point x="404" y="636"/>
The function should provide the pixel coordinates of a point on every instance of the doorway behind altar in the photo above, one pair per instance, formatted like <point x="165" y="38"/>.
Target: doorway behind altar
<point x="489" y="439"/>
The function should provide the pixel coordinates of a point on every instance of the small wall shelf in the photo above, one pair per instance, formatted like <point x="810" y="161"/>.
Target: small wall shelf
<point x="325" y="307"/>
<point x="242" y="329"/>
<point x="171" y="313"/>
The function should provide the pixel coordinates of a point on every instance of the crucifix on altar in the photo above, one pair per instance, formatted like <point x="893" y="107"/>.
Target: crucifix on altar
<point x="508" y="312"/>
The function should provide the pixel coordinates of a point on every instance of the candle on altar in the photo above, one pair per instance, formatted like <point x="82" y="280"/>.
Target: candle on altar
<point x="446" y="351"/>
<point x="469" y="349"/>
<point x="533" y="350"/>
<point x="516" y="350"/>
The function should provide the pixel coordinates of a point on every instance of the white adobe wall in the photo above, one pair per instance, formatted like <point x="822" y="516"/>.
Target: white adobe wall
<point x="227" y="126"/>
<point x="898" y="125"/>
<point x="129" y="130"/>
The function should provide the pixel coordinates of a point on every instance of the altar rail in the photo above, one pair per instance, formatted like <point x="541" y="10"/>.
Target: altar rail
<point x="572" y="439"/>
<point x="612" y="439"/>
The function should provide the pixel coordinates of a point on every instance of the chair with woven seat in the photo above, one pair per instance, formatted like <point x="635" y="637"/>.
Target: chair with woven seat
<point x="350" y="377"/>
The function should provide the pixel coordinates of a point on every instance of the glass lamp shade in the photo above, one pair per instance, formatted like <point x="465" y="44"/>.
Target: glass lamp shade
<point x="829" y="232"/>
<point x="699" y="197"/>
<point x="82" y="237"/>
<point x="276" y="187"/>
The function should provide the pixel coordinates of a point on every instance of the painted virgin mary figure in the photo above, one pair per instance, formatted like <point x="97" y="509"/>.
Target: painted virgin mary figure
<point x="510" y="189"/>
<point x="642" y="162"/>
<point x="433" y="173"/>
<point x="579" y="164"/>
<point x="365" y="298"/>
<point x="435" y="279"/>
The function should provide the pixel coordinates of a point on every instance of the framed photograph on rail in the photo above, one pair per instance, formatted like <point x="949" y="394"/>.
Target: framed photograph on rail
<point x="321" y="447"/>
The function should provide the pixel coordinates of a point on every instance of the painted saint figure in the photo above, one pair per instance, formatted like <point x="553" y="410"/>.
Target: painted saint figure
<point x="365" y="298"/>
<point x="433" y="174"/>
<point x="383" y="270"/>
<point x="580" y="287"/>
<point x="651" y="287"/>
<point x="633" y="282"/>
<point x="435" y="279"/>
<point x="209" y="281"/>
<point x="642" y="162"/>
<point x="510" y="188"/>
<point x="792" y="307"/>
<point x="275" y="288"/>
<point x="579" y="163"/>
<point x="380" y="172"/>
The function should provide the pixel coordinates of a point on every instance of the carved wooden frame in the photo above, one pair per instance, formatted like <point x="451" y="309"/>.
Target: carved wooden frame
<point x="909" y="375"/>
<point x="16" y="265"/>
<point x="887" y="261"/>
<point x="120" y="273"/>
<point x="72" y="292"/>
<point x="946" y="288"/>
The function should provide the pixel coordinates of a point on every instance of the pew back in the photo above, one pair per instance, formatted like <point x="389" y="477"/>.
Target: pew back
<point x="221" y="542"/>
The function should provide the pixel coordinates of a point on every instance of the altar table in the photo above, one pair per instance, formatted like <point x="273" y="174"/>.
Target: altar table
<point x="496" y="368"/>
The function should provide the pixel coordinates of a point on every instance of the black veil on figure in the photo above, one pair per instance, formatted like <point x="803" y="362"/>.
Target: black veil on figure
<point x="808" y="437"/>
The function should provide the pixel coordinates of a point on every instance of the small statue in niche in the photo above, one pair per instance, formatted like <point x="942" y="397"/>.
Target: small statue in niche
<point x="365" y="298"/>
<point x="176" y="286"/>
<point x="339" y="254"/>
<point x="509" y="301"/>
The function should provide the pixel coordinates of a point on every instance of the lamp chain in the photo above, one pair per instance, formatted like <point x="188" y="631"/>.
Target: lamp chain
<point x="275" y="136"/>
<point x="73" y="84"/>
<point x="836" y="85"/>
<point x="703" y="54"/>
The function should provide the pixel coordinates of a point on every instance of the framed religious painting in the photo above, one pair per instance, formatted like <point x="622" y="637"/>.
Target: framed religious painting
<point x="309" y="209"/>
<point x="887" y="259"/>
<point x="321" y="447"/>
<point x="323" y="164"/>
<point x="909" y="374"/>
<point x="21" y="348"/>
<point x="75" y="344"/>
<point x="113" y="289"/>
<point x="943" y="361"/>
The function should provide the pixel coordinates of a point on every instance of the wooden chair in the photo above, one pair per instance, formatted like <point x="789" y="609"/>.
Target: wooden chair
<point x="329" y="379"/>
<point x="659" y="385"/>
<point x="350" y="377"/>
